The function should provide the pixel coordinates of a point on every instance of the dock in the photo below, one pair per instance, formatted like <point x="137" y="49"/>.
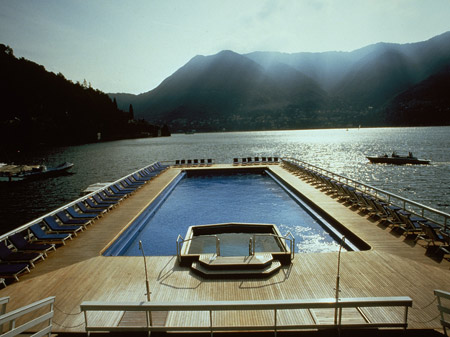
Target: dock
<point x="77" y="272"/>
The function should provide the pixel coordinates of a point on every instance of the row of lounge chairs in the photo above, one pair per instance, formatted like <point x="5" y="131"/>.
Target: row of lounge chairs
<point x="20" y="251"/>
<point x="193" y="162"/>
<point x="387" y="213"/>
<point x="255" y="160"/>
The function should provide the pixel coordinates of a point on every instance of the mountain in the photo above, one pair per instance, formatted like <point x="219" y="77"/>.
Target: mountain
<point x="426" y="103"/>
<point x="271" y="90"/>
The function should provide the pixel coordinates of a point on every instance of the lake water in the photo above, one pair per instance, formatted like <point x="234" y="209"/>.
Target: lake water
<point x="338" y="150"/>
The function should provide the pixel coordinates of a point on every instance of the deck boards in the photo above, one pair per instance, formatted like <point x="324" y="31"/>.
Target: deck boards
<point x="77" y="272"/>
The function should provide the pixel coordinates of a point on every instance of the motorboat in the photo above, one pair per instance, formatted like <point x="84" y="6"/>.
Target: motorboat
<point x="398" y="160"/>
<point x="21" y="172"/>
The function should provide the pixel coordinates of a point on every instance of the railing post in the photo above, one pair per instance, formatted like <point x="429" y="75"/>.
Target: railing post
<point x="275" y="322"/>
<point x="211" y="323"/>
<point x="406" y="316"/>
<point x="217" y="246"/>
<point x="250" y="247"/>
<point x="254" y="245"/>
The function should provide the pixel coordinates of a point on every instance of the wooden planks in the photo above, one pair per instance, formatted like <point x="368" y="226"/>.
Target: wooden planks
<point x="77" y="272"/>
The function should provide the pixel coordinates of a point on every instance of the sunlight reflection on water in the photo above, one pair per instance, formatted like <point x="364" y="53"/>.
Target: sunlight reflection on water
<point x="338" y="150"/>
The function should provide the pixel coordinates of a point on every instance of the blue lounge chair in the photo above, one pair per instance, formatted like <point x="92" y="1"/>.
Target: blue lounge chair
<point x="142" y="178"/>
<point x="99" y="200"/>
<point x="123" y="189"/>
<point x="411" y="224"/>
<point x="110" y="196"/>
<point x="83" y="208"/>
<point x="116" y="190"/>
<point x="75" y="215"/>
<point x="132" y="183"/>
<point x="41" y="236"/>
<point x="62" y="216"/>
<point x="13" y="270"/>
<point x="7" y="255"/>
<point x="23" y="245"/>
<point x="431" y="234"/>
<point x="54" y="226"/>
<point x="101" y="205"/>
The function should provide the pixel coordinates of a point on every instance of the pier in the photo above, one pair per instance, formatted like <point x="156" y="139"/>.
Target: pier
<point x="392" y="266"/>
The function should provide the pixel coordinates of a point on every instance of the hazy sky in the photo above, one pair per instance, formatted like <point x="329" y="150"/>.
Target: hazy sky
<point x="131" y="46"/>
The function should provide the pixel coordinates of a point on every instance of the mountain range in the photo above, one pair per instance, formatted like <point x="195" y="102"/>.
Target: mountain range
<point x="384" y="84"/>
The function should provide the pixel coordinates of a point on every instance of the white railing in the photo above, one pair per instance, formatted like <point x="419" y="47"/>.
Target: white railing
<point x="14" y="330"/>
<point x="279" y="309"/>
<point x="443" y="298"/>
<point x="416" y="208"/>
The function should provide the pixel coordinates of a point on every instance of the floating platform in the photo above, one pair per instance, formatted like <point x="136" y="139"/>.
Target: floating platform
<point x="394" y="266"/>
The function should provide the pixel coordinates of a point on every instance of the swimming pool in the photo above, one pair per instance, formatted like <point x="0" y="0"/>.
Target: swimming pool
<point x="198" y="198"/>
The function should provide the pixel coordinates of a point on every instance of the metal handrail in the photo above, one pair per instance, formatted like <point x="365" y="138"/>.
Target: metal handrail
<point x="277" y="306"/>
<point x="288" y="236"/>
<point x="389" y="197"/>
<point x="181" y="240"/>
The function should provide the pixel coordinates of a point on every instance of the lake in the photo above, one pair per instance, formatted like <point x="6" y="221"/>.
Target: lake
<point x="339" y="150"/>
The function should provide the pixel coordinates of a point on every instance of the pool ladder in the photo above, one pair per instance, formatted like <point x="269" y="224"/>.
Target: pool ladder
<point x="181" y="240"/>
<point x="288" y="237"/>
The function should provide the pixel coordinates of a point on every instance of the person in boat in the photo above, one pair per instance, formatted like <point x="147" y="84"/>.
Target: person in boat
<point x="410" y="155"/>
<point x="394" y="155"/>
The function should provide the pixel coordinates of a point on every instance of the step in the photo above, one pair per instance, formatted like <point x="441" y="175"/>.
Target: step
<point x="257" y="261"/>
<point x="267" y="271"/>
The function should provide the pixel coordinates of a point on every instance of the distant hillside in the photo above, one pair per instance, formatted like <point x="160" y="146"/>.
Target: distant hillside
<point x="427" y="103"/>
<point x="270" y="90"/>
<point x="40" y="107"/>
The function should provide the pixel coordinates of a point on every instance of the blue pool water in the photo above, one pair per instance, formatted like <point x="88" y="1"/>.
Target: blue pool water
<point x="209" y="199"/>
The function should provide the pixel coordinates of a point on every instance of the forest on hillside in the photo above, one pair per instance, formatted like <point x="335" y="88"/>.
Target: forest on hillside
<point x="38" y="107"/>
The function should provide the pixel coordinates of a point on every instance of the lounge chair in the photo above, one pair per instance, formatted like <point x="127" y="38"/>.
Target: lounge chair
<point x="116" y="188"/>
<point x="111" y="196"/>
<point x="99" y="205"/>
<point x="75" y="215"/>
<point x="7" y="255"/>
<point x="410" y="224"/>
<point x="23" y="245"/>
<point x="132" y="181"/>
<point x="99" y="200"/>
<point x="202" y="162"/>
<point x="83" y="208"/>
<point x="41" y="236"/>
<point x="431" y="235"/>
<point x="143" y="177"/>
<point x="127" y="183"/>
<point x="54" y="226"/>
<point x="13" y="270"/>
<point x="235" y="161"/>
<point x="62" y="216"/>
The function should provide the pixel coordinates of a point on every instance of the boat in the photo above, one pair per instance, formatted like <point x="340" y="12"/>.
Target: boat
<point x="398" y="160"/>
<point x="22" y="172"/>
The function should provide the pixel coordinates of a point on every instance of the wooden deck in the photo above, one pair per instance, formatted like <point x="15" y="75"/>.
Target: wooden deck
<point x="77" y="272"/>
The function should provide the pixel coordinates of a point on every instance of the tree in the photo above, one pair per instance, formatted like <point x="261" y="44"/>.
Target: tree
<point x="131" y="112"/>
